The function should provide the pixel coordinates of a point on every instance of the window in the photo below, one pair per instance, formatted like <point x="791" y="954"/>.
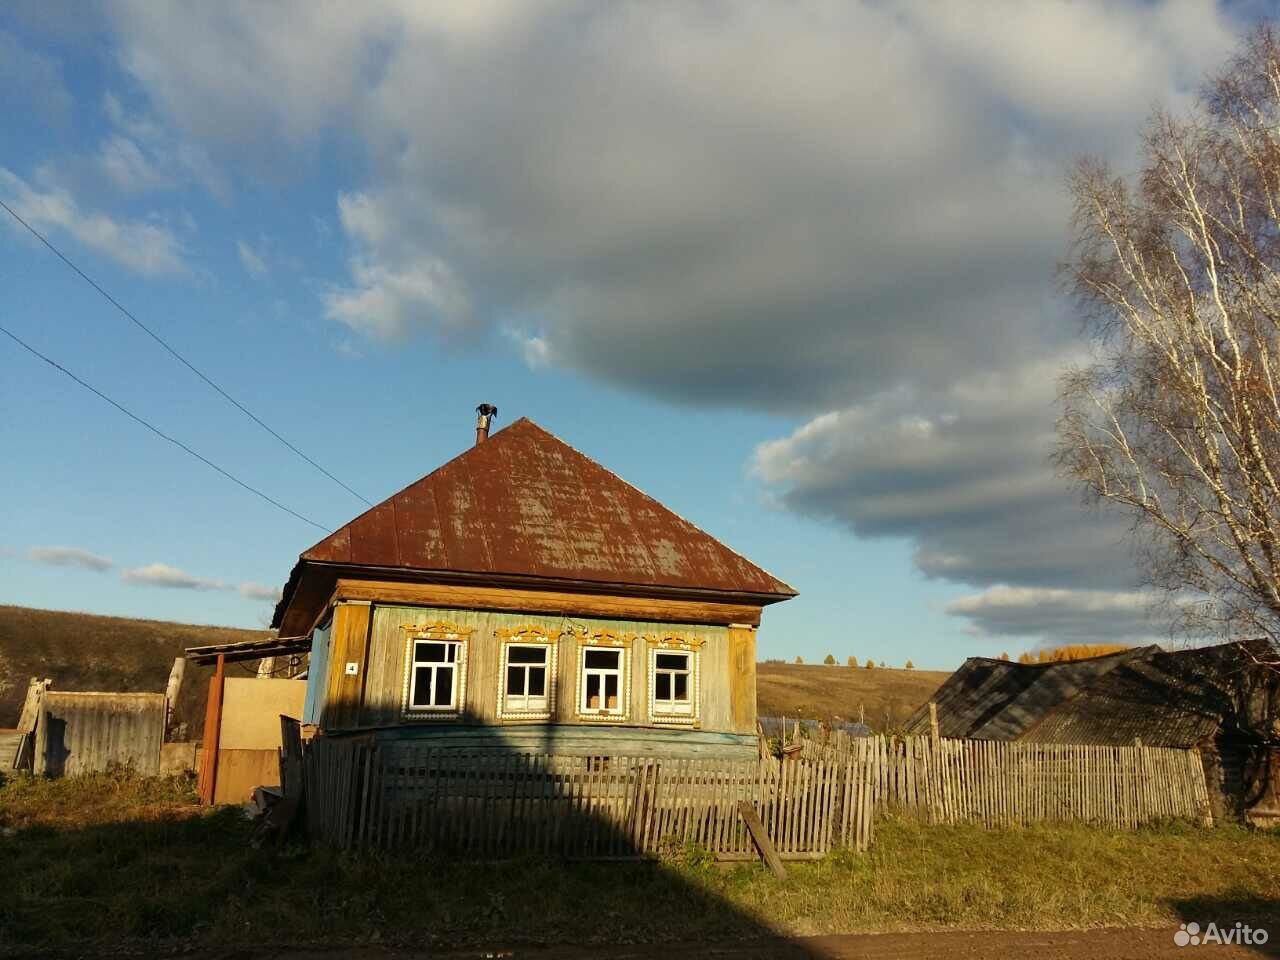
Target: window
<point x="526" y="677"/>
<point x="602" y="688"/>
<point x="435" y="675"/>
<point x="671" y="687"/>
<point x="673" y="681"/>
<point x="435" y="671"/>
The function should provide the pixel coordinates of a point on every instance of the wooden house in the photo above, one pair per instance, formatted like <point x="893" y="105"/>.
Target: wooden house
<point x="526" y="598"/>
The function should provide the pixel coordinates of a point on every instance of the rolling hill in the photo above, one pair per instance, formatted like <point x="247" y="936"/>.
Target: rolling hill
<point x="83" y="651"/>
<point x="887" y="696"/>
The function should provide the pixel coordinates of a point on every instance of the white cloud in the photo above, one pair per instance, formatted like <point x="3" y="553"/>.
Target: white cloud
<point x="256" y="591"/>
<point x="1057" y="615"/>
<point x="163" y="575"/>
<point x="145" y="247"/>
<point x="389" y="304"/>
<point x="252" y="260"/>
<point x="69" y="557"/>
<point x="125" y="165"/>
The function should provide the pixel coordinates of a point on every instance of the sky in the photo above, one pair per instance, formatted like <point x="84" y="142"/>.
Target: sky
<point x="788" y="268"/>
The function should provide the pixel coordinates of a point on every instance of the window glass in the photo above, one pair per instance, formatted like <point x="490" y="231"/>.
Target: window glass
<point x="602" y="659"/>
<point x="515" y="680"/>
<point x="516" y="654"/>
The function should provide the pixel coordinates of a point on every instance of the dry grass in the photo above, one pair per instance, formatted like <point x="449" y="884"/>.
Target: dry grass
<point x="115" y="862"/>
<point x="887" y="696"/>
<point x="83" y="651"/>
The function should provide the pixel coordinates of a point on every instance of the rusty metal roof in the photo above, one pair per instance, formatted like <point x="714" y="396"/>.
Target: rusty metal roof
<point x="526" y="504"/>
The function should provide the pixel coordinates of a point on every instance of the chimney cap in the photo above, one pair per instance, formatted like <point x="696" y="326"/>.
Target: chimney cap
<point x="487" y="410"/>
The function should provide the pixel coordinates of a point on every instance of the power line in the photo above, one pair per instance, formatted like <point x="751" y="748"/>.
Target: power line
<point x="156" y="430"/>
<point x="176" y="355"/>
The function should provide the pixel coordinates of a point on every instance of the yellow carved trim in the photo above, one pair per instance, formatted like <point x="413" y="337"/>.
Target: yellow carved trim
<point x="529" y="633"/>
<point x="439" y="630"/>
<point x="606" y="638"/>
<point x="674" y="641"/>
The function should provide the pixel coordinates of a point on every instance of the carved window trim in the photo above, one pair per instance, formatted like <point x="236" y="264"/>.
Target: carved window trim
<point x="446" y="632"/>
<point x="609" y="640"/>
<point x="527" y="636"/>
<point x="675" y="643"/>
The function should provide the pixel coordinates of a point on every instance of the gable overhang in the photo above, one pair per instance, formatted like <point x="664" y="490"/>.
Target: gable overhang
<point x="312" y="585"/>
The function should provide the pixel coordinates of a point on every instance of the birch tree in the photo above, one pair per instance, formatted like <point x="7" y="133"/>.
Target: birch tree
<point x="1177" y="419"/>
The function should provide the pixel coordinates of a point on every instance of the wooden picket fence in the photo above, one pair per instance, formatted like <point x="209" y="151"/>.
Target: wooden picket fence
<point x="493" y="805"/>
<point x="361" y="793"/>
<point x="1001" y="784"/>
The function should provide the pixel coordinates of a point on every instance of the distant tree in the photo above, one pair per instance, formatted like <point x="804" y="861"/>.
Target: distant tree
<point x="910" y="665"/>
<point x="1026" y="658"/>
<point x="829" y="660"/>
<point x="1004" y="656"/>
<point x="799" y="659"/>
<point x="870" y="664"/>
<point x="852" y="661"/>
<point x="882" y="663"/>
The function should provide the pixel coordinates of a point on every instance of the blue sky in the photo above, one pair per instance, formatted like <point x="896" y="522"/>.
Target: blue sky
<point x="788" y="271"/>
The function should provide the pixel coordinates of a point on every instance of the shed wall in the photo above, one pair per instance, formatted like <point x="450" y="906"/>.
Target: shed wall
<point x="87" y="732"/>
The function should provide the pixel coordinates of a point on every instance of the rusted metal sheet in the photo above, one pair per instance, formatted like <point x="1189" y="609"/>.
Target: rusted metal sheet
<point x="88" y="732"/>
<point x="1177" y="698"/>
<point x="526" y="504"/>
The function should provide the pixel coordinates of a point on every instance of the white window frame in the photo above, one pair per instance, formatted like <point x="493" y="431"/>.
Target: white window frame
<point x="527" y="638"/>
<point x="602" y="714"/>
<point x="669" y="711"/>
<point x="445" y="633"/>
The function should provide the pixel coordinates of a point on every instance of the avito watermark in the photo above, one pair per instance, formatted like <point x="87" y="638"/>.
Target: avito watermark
<point x="1193" y="935"/>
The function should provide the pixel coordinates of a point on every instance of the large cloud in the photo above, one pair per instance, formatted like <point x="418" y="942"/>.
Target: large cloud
<point x="848" y="213"/>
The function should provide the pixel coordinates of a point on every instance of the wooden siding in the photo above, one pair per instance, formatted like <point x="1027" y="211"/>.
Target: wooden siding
<point x="568" y="739"/>
<point x="348" y="643"/>
<point x="385" y="667"/>
<point x="742" y="678"/>
<point x="547" y="602"/>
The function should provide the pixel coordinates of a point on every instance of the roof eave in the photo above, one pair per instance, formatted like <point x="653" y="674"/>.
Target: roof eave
<point x="514" y="581"/>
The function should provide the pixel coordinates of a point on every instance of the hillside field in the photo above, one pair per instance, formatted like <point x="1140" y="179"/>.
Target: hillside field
<point x="83" y="651"/>
<point x="813" y="691"/>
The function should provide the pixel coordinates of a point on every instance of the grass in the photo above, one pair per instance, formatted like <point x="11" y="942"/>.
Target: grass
<point x="886" y="696"/>
<point x="116" y="861"/>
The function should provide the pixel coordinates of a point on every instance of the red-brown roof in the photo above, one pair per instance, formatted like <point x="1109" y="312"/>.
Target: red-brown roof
<point x="526" y="504"/>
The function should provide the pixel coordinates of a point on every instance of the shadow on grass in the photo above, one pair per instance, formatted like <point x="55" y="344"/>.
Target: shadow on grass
<point x="190" y="878"/>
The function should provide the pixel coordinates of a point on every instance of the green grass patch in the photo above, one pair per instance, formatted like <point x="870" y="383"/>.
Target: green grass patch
<point x="117" y="860"/>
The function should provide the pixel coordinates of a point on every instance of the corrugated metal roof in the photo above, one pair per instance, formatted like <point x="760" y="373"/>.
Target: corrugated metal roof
<point x="524" y="503"/>
<point x="1166" y="698"/>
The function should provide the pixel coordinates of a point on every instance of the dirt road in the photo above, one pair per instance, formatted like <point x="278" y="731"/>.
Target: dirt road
<point x="1123" y="944"/>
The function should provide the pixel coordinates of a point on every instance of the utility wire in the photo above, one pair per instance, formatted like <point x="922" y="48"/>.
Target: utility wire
<point x="156" y="430"/>
<point x="176" y="355"/>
